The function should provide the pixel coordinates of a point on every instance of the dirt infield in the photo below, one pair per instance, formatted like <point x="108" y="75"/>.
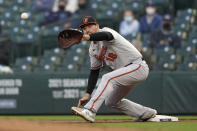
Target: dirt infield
<point x="32" y="125"/>
<point x="63" y="125"/>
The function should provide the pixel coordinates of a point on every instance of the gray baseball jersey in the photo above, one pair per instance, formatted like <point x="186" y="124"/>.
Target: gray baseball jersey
<point x="129" y="70"/>
<point x="116" y="53"/>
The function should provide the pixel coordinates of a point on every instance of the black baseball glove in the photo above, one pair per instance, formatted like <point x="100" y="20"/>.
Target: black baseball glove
<point x="69" y="37"/>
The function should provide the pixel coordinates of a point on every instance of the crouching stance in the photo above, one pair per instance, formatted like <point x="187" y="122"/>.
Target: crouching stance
<point x="109" y="47"/>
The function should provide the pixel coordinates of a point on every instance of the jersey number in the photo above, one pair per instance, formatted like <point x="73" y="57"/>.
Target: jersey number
<point x="101" y="56"/>
<point x="111" y="57"/>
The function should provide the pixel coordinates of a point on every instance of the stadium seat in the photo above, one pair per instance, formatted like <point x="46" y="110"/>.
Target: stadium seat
<point x="152" y="62"/>
<point x="53" y="60"/>
<point x="7" y="3"/>
<point x="173" y="58"/>
<point x="187" y="50"/>
<point x="192" y="38"/>
<point x="22" y="69"/>
<point x="137" y="6"/>
<point x="163" y="51"/>
<point x="129" y="37"/>
<point x="183" y="13"/>
<point x="70" y="68"/>
<point x="165" y="65"/>
<point x="45" y="68"/>
<point x="145" y="38"/>
<point x="191" y="58"/>
<point x="58" y="52"/>
<point x="147" y="51"/>
<point x="187" y="67"/>
<point x="29" y="60"/>
<point x="97" y="4"/>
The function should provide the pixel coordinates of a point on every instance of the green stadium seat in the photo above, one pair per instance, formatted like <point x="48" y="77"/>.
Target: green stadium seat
<point x="177" y="58"/>
<point x="71" y="59"/>
<point x="165" y="65"/>
<point x="173" y="58"/>
<point x="191" y="58"/>
<point x="187" y="67"/>
<point x="74" y="58"/>
<point x="137" y="6"/>
<point x="169" y="66"/>
<point x="22" y="68"/>
<point x="153" y="62"/>
<point x="2" y="10"/>
<point x="187" y="50"/>
<point x="29" y="60"/>
<point x="85" y="67"/>
<point x="163" y="51"/>
<point x="129" y="37"/>
<point x="24" y="3"/>
<point x="54" y="52"/>
<point x="147" y="51"/>
<point x="45" y="68"/>
<point x="7" y="3"/>
<point x="145" y="37"/>
<point x="193" y="38"/>
<point x="70" y="68"/>
<point x="53" y="60"/>
<point x="183" y="13"/>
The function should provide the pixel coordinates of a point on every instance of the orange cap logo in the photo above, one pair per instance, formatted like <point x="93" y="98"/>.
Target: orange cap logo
<point x="85" y="20"/>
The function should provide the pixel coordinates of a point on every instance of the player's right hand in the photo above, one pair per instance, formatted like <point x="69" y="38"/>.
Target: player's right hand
<point x="83" y="100"/>
<point x="85" y="37"/>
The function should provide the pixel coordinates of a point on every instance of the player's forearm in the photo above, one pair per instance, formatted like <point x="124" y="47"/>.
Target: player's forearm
<point x="92" y="80"/>
<point x="99" y="36"/>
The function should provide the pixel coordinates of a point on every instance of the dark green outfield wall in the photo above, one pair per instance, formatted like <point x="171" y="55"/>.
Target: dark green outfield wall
<point x="169" y="93"/>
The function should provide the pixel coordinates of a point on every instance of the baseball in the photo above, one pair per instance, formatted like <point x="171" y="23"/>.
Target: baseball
<point x="24" y="15"/>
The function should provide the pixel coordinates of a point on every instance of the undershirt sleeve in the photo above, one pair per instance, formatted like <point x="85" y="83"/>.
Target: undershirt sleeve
<point x="100" y="36"/>
<point x="92" y="80"/>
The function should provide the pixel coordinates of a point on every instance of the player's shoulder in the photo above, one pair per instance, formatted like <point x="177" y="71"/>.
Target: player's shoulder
<point x="112" y="31"/>
<point x="107" y="29"/>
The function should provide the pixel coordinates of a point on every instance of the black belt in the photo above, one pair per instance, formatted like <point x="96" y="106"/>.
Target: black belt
<point x="128" y="64"/>
<point x="132" y="63"/>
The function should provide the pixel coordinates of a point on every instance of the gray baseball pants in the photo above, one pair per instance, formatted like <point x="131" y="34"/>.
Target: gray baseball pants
<point x="115" y="85"/>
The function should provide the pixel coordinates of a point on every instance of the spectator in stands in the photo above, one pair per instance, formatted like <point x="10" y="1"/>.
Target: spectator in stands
<point x="60" y="14"/>
<point x="129" y="25"/>
<point x="43" y="5"/>
<point x="83" y="10"/>
<point x="165" y="36"/>
<point x="71" y="5"/>
<point x="151" y="21"/>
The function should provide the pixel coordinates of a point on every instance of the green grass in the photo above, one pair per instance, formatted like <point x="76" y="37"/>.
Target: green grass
<point x="164" y="126"/>
<point x="161" y="126"/>
<point x="73" y="117"/>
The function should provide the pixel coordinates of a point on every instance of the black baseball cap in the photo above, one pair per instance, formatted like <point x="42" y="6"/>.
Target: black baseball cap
<point x="167" y="17"/>
<point x="87" y="20"/>
<point x="150" y="3"/>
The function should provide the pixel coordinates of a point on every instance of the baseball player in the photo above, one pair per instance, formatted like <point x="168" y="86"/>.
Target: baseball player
<point x="128" y="70"/>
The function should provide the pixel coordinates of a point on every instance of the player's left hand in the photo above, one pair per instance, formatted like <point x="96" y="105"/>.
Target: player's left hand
<point x="83" y="100"/>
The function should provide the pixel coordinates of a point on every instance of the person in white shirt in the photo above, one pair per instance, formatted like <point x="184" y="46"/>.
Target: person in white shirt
<point x="129" y="25"/>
